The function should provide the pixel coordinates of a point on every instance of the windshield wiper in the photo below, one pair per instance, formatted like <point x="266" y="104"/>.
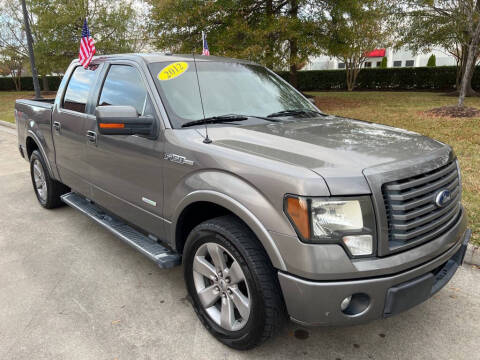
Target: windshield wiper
<point x="226" y="118"/>
<point x="216" y="119"/>
<point x="290" y="112"/>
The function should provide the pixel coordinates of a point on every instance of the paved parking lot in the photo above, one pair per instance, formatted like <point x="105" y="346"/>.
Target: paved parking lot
<point x="71" y="290"/>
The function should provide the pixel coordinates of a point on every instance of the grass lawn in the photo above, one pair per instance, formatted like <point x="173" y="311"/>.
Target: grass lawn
<point x="7" y="103"/>
<point x="405" y="110"/>
<point x="400" y="109"/>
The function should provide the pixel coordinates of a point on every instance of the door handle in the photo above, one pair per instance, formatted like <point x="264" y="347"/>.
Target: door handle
<point x="92" y="136"/>
<point x="57" y="126"/>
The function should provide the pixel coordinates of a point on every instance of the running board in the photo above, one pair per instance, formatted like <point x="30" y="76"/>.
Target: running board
<point x="164" y="257"/>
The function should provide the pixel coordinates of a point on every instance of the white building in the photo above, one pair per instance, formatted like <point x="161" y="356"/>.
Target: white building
<point x="399" y="58"/>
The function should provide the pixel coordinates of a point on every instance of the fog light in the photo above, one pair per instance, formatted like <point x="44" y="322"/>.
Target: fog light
<point x="356" y="305"/>
<point x="345" y="303"/>
<point x="359" y="244"/>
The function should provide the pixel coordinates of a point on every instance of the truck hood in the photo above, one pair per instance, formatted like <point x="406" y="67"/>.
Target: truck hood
<point x="337" y="148"/>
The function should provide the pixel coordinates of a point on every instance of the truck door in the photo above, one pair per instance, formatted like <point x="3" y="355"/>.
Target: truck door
<point x="126" y="170"/>
<point x="69" y="121"/>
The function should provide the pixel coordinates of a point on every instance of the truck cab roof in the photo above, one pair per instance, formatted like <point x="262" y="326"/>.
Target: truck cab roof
<point x="164" y="57"/>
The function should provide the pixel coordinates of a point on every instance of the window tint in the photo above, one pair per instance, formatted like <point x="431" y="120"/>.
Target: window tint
<point x="124" y="86"/>
<point x="397" y="63"/>
<point x="78" y="88"/>
<point x="341" y="65"/>
<point x="409" y="63"/>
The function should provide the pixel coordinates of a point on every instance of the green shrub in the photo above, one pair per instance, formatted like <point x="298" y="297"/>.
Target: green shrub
<point x="6" y="83"/>
<point x="383" y="65"/>
<point x="441" y="78"/>
<point x="432" y="61"/>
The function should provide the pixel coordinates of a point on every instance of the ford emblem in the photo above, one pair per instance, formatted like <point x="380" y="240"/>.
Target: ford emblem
<point x="443" y="197"/>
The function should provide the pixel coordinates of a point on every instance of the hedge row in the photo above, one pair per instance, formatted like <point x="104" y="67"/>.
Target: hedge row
<point x="414" y="78"/>
<point x="7" y="84"/>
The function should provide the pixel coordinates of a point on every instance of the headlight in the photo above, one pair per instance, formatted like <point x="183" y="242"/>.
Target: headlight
<point x="331" y="216"/>
<point x="347" y="221"/>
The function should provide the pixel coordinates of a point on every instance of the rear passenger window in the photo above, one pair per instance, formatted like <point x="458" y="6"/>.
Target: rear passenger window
<point x="78" y="88"/>
<point x="123" y="86"/>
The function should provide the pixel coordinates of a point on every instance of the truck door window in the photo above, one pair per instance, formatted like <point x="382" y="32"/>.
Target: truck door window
<point x="123" y="86"/>
<point x="78" y="88"/>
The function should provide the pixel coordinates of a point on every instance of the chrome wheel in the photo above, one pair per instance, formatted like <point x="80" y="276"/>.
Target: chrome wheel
<point x="39" y="180"/>
<point x="221" y="286"/>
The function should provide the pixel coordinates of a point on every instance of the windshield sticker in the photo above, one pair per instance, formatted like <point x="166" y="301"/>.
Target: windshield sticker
<point x="173" y="70"/>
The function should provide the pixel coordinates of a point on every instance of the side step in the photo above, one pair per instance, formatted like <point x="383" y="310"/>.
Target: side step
<point x="164" y="257"/>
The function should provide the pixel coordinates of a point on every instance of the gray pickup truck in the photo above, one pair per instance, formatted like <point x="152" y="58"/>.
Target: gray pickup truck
<point x="275" y="209"/>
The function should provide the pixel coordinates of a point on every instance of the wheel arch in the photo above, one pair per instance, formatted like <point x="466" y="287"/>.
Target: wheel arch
<point x="32" y="142"/>
<point x="213" y="204"/>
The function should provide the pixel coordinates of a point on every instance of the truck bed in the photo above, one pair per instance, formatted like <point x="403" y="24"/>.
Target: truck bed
<point x="44" y="103"/>
<point x="34" y="119"/>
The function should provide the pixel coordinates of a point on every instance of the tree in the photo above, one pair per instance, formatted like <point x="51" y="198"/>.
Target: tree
<point x="449" y="24"/>
<point x="355" y="28"/>
<point x="432" y="61"/>
<point x="58" y="27"/>
<point x="383" y="65"/>
<point x="277" y="33"/>
<point x="57" y="24"/>
<point x="11" y="64"/>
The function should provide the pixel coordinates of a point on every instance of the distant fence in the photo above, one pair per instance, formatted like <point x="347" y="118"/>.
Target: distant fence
<point x="6" y="83"/>
<point x="440" y="78"/>
<point x="411" y="78"/>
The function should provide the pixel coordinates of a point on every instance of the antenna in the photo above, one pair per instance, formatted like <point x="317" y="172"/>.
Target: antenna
<point x="207" y="139"/>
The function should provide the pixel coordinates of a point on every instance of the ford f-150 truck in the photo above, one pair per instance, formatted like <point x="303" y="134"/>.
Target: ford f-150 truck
<point x="275" y="209"/>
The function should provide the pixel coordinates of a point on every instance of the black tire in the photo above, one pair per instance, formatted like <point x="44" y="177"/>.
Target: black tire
<point x="267" y="313"/>
<point x="54" y="188"/>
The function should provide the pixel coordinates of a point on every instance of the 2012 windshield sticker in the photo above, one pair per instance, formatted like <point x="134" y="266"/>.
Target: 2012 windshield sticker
<point x="173" y="70"/>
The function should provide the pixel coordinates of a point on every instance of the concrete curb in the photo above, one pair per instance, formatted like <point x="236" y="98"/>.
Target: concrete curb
<point x="7" y="124"/>
<point x="472" y="256"/>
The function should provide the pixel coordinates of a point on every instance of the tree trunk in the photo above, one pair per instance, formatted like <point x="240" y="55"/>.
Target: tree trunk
<point x="269" y="49"/>
<point x="469" y="67"/>
<point x="31" y="55"/>
<point x="293" y="46"/>
<point x="293" y="66"/>
<point x="352" y="67"/>
<point x="349" y="80"/>
<point x="17" y="79"/>
<point x="349" y="74"/>
<point x="45" y="83"/>
<point x="461" y="67"/>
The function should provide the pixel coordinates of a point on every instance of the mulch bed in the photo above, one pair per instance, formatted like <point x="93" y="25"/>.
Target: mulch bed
<point x="454" y="112"/>
<point x="332" y="103"/>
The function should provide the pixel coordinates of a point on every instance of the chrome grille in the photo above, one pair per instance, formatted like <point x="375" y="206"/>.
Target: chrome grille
<point x="412" y="213"/>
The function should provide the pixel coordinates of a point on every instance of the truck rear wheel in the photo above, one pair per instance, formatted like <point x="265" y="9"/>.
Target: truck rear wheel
<point x="48" y="190"/>
<point x="232" y="284"/>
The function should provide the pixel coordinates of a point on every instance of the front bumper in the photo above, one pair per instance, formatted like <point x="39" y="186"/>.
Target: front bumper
<point x="318" y="303"/>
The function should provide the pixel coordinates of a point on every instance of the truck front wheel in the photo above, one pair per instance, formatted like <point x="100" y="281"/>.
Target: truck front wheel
<point x="232" y="284"/>
<point x="48" y="190"/>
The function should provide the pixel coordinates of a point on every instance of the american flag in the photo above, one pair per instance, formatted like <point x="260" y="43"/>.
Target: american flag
<point x="205" y="45"/>
<point x="87" y="46"/>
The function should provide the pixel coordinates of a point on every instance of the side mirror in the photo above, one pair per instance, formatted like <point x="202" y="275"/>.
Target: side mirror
<point x="122" y="120"/>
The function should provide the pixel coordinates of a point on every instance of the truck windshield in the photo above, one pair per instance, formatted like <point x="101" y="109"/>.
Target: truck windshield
<point x="226" y="88"/>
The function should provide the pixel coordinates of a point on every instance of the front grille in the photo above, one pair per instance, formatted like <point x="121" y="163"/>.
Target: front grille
<point x="412" y="214"/>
